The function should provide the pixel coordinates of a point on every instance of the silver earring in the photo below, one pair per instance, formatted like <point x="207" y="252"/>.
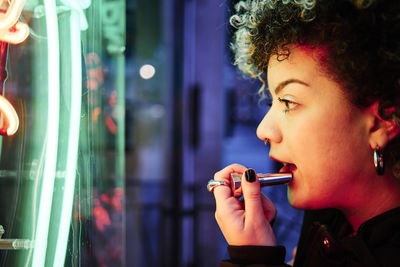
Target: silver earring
<point x="378" y="161"/>
<point x="266" y="141"/>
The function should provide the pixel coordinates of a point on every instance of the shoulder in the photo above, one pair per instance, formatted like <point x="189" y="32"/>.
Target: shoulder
<point x="381" y="235"/>
<point x="325" y="240"/>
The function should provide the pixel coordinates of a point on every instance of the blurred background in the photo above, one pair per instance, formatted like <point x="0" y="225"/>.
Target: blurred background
<point x="126" y="109"/>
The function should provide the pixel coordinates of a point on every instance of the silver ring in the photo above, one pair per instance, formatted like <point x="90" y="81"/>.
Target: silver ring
<point x="212" y="183"/>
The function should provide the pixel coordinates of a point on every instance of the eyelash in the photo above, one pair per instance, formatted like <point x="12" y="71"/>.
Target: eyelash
<point x="287" y="104"/>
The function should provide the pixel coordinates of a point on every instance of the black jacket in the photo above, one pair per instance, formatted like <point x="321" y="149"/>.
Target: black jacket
<point x="326" y="240"/>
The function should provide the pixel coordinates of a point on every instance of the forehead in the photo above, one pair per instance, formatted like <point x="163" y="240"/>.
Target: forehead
<point x="303" y="63"/>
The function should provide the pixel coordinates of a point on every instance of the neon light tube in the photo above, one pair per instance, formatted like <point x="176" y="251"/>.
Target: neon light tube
<point x="49" y="172"/>
<point x="10" y="117"/>
<point x="9" y="20"/>
<point x="78" y="6"/>
<point x="17" y="37"/>
<point x="73" y="140"/>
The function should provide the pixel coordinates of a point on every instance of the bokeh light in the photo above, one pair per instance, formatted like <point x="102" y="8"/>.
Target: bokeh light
<point x="147" y="71"/>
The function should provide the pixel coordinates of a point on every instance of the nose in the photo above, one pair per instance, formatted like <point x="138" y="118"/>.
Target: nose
<point x="269" y="128"/>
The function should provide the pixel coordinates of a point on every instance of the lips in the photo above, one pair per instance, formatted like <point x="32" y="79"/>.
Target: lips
<point x="288" y="167"/>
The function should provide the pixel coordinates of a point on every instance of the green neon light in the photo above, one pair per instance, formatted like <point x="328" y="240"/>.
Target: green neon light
<point x="49" y="172"/>
<point x="73" y="139"/>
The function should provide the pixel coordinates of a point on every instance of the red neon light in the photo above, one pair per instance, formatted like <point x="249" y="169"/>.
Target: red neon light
<point x="9" y="117"/>
<point x="11" y="30"/>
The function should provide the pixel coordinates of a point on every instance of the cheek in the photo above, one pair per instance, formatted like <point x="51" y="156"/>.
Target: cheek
<point x="326" y="132"/>
<point x="329" y="159"/>
<point x="328" y="148"/>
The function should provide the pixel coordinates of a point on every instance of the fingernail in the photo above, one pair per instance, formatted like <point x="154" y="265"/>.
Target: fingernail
<point x="250" y="175"/>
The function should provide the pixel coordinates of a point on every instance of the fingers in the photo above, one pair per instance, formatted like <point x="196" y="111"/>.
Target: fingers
<point x="258" y="206"/>
<point x="252" y="197"/>
<point x="223" y="192"/>
<point x="256" y="203"/>
<point x="244" y="223"/>
<point x="268" y="208"/>
<point x="228" y="208"/>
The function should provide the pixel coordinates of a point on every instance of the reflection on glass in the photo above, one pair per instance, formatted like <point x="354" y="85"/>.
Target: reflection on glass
<point x="62" y="173"/>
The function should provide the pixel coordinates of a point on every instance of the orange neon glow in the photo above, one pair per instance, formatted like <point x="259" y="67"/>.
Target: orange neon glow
<point x="9" y="117"/>
<point x="11" y="30"/>
<point x="95" y="114"/>
<point x="112" y="127"/>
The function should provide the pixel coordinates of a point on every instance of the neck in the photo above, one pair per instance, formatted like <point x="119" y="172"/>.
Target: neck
<point x="382" y="196"/>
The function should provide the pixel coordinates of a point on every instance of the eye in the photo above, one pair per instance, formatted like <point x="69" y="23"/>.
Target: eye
<point x="289" y="104"/>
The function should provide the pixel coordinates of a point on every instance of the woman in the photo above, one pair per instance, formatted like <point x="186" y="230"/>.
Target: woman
<point x="333" y="73"/>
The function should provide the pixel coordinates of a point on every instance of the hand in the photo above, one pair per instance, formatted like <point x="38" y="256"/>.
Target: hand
<point x="248" y="222"/>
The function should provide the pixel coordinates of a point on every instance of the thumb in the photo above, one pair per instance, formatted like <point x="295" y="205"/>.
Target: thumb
<point x="252" y="197"/>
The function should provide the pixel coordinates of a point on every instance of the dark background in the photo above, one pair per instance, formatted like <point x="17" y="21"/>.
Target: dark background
<point x="195" y="116"/>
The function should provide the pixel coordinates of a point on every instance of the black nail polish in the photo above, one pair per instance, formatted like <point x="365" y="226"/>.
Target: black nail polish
<point x="250" y="175"/>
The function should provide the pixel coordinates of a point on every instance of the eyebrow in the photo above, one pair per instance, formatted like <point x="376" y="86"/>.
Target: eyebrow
<point x="286" y="82"/>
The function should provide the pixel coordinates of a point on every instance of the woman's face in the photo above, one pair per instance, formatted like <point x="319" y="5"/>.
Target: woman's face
<point x="313" y="127"/>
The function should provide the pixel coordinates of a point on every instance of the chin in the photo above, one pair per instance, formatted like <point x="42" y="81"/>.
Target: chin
<point x="307" y="204"/>
<point x="301" y="202"/>
<point x="298" y="205"/>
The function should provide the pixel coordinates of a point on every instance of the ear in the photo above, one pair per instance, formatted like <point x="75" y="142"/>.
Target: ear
<point x="381" y="131"/>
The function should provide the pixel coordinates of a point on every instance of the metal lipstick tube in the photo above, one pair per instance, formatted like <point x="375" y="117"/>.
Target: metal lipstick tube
<point x="265" y="180"/>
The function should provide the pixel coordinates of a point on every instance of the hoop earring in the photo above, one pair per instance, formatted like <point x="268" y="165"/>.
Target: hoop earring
<point x="378" y="161"/>
<point x="266" y="141"/>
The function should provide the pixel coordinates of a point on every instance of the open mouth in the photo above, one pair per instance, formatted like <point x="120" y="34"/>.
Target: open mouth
<point x="284" y="166"/>
<point x="288" y="167"/>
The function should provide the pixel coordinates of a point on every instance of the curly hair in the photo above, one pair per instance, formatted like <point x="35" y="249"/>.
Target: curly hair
<point x="361" y="37"/>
